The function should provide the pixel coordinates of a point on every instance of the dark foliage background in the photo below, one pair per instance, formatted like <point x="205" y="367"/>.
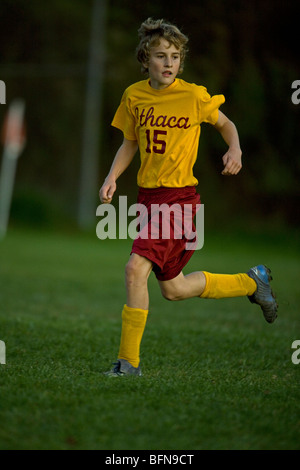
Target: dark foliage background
<point x="246" y="50"/>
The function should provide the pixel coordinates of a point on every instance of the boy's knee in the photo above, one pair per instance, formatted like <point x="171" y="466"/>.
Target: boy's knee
<point x="137" y="269"/>
<point x="131" y="269"/>
<point x="170" y="294"/>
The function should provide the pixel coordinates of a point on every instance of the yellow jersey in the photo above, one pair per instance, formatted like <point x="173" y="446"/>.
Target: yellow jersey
<point x="167" y="125"/>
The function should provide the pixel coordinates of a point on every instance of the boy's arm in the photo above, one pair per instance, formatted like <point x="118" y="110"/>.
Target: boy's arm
<point x="121" y="161"/>
<point x="232" y="159"/>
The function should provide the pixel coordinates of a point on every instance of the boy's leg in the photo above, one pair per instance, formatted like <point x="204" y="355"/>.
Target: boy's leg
<point x="207" y="285"/>
<point x="134" y="314"/>
<point x="255" y="284"/>
<point x="137" y="273"/>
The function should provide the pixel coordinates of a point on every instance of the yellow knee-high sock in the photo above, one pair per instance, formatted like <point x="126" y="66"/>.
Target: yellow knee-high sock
<point x="219" y="286"/>
<point x="133" y="325"/>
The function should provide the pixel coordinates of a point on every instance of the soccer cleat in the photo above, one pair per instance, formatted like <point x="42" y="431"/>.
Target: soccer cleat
<point x="263" y="295"/>
<point x="123" y="367"/>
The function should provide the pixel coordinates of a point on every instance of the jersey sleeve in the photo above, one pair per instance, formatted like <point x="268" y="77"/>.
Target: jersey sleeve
<point x="124" y="118"/>
<point x="209" y="106"/>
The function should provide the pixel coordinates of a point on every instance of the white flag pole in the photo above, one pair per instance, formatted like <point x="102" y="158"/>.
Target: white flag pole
<point x="14" y="142"/>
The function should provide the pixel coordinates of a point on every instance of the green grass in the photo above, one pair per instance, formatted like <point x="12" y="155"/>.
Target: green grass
<point x="216" y="375"/>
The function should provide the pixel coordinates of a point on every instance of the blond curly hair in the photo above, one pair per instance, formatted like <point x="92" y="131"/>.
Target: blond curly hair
<point x="150" y="33"/>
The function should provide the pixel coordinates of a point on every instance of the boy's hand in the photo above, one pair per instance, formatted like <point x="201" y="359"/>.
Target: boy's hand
<point x="107" y="191"/>
<point x="232" y="161"/>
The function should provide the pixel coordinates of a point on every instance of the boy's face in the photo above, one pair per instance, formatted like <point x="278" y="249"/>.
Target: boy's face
<point x="163" y="65"/>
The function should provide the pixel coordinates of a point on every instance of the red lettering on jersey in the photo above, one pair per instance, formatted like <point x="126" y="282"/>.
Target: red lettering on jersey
<point x="172" y="118"/>
<point x="185" y="125"/>
<point x="161" y="121"/>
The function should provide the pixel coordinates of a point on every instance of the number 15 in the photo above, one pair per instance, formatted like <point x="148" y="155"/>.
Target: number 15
<point x="157" y="141"/>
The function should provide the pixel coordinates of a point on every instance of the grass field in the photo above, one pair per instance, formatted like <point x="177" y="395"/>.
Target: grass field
<point x="215" y="374"/>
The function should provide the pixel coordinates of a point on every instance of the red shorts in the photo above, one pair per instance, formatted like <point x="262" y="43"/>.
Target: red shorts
<point x="167" y="228"/>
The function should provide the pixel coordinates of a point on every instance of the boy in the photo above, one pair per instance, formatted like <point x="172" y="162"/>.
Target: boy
<point x="161" y="116"/>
